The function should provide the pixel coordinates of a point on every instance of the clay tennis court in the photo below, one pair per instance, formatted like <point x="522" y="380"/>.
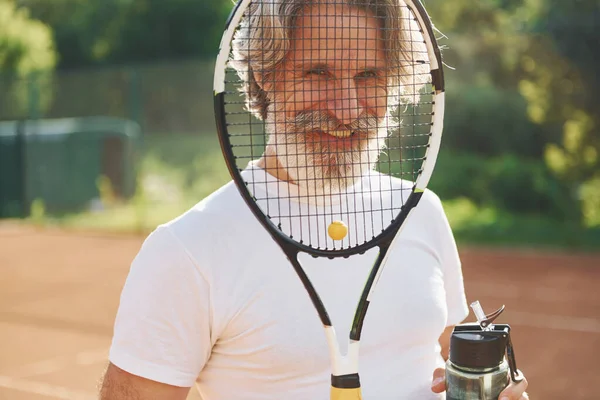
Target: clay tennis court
<point x="59" y="292"/>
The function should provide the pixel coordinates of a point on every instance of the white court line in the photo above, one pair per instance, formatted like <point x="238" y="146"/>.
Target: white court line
<point x="60" y="363"/>
<point x="44" y="389"/>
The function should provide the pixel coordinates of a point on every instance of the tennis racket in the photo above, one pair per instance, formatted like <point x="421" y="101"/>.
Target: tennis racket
<point x="329" y="116"/>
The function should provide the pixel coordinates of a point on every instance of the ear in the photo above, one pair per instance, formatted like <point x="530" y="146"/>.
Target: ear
<point x="264" y="81"/>
<point x="259" y="77"/>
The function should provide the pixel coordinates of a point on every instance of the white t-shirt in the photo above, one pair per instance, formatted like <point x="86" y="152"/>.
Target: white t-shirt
<point x="211" y="299"/>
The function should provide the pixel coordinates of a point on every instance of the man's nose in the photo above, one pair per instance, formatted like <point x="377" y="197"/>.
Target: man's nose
<point x="343" y="101"/>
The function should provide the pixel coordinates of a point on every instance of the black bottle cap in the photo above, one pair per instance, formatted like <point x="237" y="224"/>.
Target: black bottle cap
<point x="474" y="348"/>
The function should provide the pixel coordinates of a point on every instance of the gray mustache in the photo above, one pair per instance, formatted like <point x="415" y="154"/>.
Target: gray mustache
<point x="307" y="121"/>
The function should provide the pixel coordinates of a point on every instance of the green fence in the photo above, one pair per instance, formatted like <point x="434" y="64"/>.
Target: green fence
<point x="61" y="162"/>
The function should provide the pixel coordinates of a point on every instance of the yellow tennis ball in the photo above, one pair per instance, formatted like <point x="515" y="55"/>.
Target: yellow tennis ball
<point x="337" y="230"/>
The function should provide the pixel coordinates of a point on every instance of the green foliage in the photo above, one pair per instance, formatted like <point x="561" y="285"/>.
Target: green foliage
<point x="179" y="29"/>
<point x="490" y="121"/>
<point x="25" y="44"/>
<point x="549" y="52"/>
<point x="590" y="195"/>
<point x="77" y="26"/>
<point x="561" y="85"/>
<point x="505" y="182"/>
<point x="117" y="31"/>
<point x="37" y="213"/>
<point x="106" y="191"/>
<point x="192" y="165"/>
<point x="489" y="226"/>
<point x="27" y="59"/>
<point x="483" y="41"/>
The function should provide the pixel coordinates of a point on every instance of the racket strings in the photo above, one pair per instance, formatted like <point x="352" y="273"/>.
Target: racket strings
<point x="320" y="91"/>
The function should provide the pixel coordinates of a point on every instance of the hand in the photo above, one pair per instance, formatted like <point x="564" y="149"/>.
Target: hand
<point x="514" y="391"/>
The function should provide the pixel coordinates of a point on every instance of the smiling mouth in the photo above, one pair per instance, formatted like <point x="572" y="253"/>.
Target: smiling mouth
<point x="344" y="133"/>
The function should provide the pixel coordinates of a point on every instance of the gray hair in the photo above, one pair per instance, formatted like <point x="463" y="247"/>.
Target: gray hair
<point x="263" y="39"/>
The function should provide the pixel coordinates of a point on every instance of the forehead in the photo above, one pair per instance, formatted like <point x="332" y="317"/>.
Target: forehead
<point x="338" y="31"/>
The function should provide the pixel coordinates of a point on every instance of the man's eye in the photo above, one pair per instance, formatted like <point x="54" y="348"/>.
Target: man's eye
<point x="367" y="74"/>
<point x="317" y="72"/>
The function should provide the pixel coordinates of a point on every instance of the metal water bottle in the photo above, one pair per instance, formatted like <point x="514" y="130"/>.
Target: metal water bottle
<point x="481" y="361"/>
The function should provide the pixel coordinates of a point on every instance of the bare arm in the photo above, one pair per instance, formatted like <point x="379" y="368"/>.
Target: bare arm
<point x="120" y="385"/>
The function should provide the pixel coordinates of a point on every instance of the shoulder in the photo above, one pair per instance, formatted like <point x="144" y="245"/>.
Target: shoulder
<point x="431" y="203"/>
<point x="215" y="212"/>
<point x="216" y="223"/>
<point x="205" y="234"/>
<point x="429" y="214"/>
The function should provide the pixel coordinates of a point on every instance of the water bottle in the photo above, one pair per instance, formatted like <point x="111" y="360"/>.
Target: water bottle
<point x="481" y="360"/>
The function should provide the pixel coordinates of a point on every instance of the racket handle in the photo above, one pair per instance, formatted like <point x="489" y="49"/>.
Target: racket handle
<point x="345" y="394"/>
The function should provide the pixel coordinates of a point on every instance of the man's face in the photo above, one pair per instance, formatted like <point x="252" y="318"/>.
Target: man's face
<point x="328" y="98"/>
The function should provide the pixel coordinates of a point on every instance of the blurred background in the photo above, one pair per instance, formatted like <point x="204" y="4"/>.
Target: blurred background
<point x="107" y="130"/>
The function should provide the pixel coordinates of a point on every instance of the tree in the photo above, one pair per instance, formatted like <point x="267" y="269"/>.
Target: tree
<point x="131" y="31"/>
<point x="25" y="44"/>
<point x="560" y="84"/>
<point x="482" y="42"/>
<point x="26" y="47"/>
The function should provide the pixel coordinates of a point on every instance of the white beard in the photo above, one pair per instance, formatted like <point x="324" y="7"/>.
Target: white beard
<point x="319" y="169"/>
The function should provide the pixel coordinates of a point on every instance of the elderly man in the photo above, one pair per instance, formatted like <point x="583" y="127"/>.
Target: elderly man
<point x="210" y="299"/>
